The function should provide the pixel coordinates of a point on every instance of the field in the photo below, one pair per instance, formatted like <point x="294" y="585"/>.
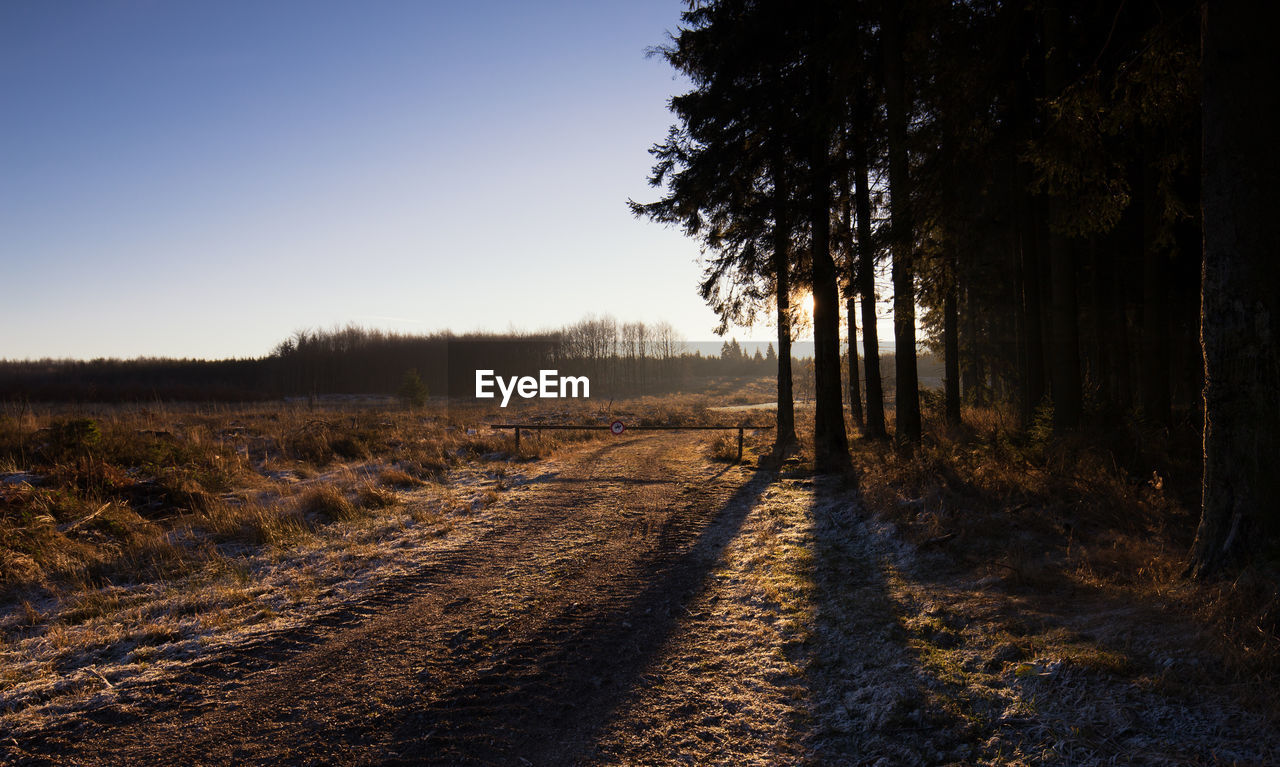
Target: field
<point x="350" y="583"/>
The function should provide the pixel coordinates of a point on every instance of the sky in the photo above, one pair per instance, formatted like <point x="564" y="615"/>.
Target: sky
<point x="190" y="178"/>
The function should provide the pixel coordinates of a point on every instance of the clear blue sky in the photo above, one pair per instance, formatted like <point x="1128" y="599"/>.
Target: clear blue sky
<point x="202" y="178"/>
<point x="187" y="178"/>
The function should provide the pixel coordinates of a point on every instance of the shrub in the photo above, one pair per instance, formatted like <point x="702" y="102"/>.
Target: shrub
<point x="73" y="437"/>
<point x="310" y="446"/>
<point x="1041" y="430"/>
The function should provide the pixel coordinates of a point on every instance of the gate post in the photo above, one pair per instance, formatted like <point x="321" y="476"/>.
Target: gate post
<point x="517" y="439"/>
<point x="739" y="444"/>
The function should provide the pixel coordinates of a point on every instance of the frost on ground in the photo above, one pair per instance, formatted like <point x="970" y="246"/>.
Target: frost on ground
<point x="806" y="631"/>
<point x="109" y="645"/>
<point x="823" y="638"/>
<point x="792" y="653"/>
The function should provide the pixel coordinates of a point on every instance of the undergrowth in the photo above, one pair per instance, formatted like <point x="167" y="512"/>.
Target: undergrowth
<point x="1103" y="514"/>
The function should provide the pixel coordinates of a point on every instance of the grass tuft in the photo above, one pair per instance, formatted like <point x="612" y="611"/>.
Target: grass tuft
<point x="397" y="478"/>
<point x="374" y="497"/>
<point x="327" y="503"/>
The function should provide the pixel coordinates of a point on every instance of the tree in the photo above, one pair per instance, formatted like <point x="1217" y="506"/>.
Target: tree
<point x="865" y="270"/>
<point x="1037" y="165"/>
<point x="413" y="392"/>
<point x="830" y="442"/>
<point x="904" y="311"/>
<point x="726" y="167"/>
<point x="1240" y="318"/>
<point x="731" y="350"/>
<point x="1064" y="355"/>
<point x="786" y="425"/>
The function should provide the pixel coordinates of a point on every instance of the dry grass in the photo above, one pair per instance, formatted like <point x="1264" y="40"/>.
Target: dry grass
<point x="373" y="497"/>
<point x="1040" y="590"/>
<point x="725" y="448"/>
<point x="134" y="539"/>
<point x="398" y="478"/>
<point x="327" y="503"/>
<point x="106" y="494"/>
<point x="96" y="500"/>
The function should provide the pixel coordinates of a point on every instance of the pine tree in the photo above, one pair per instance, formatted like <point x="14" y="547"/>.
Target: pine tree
<point x="412" y="391"/>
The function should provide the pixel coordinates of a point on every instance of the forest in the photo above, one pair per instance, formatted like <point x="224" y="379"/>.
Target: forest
<point x="1068" y="198"/>
<point x="622" y="358"/>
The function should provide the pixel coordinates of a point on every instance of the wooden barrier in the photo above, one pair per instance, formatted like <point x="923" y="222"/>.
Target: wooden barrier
<point x="606" y="427"/>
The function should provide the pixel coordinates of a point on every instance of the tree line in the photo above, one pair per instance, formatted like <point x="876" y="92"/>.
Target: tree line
<point x="621" y="359"/>
<point x="1031" y="172"/>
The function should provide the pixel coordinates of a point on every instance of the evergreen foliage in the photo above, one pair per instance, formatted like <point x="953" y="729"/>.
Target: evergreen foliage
<point x="413" y="392"/>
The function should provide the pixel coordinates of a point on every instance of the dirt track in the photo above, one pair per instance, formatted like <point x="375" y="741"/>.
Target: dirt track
<point x="637" y="603"/>
<point x="510" y="649"/>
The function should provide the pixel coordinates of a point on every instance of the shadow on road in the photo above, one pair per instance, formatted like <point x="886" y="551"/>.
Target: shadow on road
<point x="544" y="697"/>
<point x="864" y="676"/>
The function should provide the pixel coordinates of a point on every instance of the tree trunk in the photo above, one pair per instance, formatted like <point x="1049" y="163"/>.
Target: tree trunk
<point x="1029" y="255"/>
<point x="1155" y="302"/>
<point x="1033" y="390"/>
<point x="1186" y="359"/>
<point x="785" y="437"/>
<point x="875" y="428"/>
<point x="1240" y="294"/>
<point x="1114" y="266"/>
<point x="1064" y="352"/>
<point x="904" y="305"/>
<point x="951" y="349"/>
<point x="855" y="389"/>
<point x="851" y="288"/>
<point x="830" y="442"/>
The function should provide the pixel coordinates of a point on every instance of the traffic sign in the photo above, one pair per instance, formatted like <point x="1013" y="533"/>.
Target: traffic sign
<point x="617" y="427"/>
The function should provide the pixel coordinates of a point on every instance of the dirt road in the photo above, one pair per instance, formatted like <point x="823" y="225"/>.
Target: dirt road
<point x="517" y="646"/>
<point x="638" y="603"/>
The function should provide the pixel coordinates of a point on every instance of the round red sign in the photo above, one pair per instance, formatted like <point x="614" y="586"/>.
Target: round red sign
<point x="617" y="427"/>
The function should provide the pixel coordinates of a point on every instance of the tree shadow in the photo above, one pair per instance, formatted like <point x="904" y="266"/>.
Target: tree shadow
<point x="924" y="655"/>
<point x="866" y="680"/>
<point x="1092" y="667"/>
<point x="544" y="698"/>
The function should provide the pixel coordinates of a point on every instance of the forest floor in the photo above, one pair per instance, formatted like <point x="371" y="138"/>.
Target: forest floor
<point x="642" y="600"/>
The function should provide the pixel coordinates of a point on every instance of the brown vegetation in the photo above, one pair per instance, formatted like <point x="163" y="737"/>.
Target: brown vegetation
<point x="136" y="494"/>
<point x="1066" y="525"/>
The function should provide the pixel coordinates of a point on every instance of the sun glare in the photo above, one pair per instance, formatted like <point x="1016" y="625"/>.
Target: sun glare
<point x="806" y="305"/>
